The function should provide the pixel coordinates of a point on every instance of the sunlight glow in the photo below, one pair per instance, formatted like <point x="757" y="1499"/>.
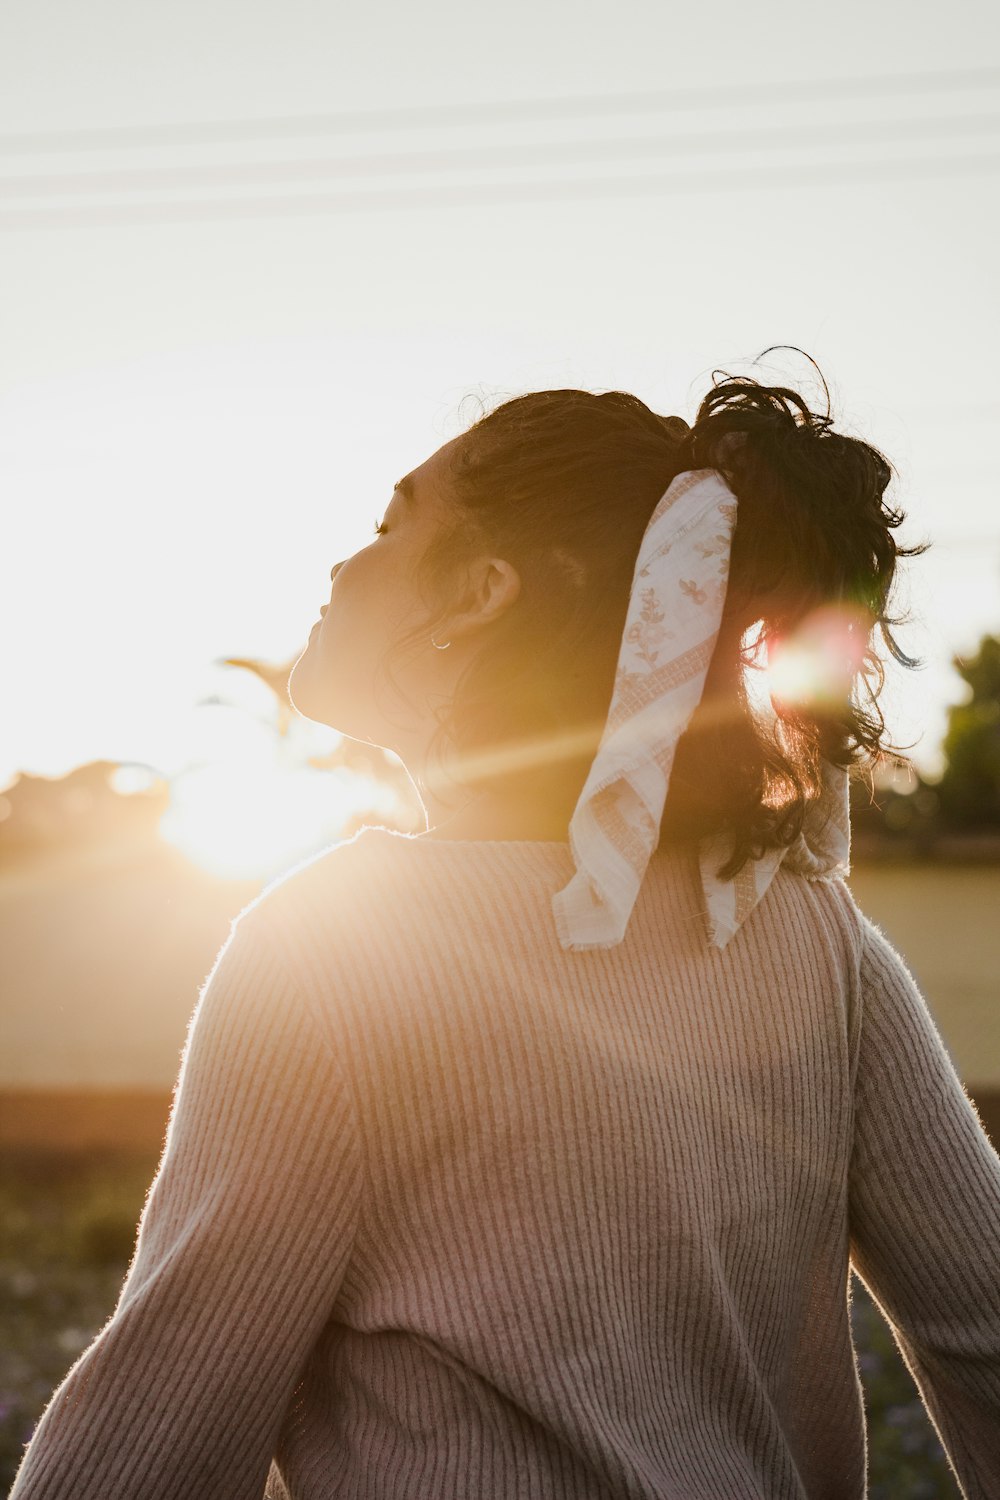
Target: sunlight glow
<point x="255" y="819"/>
<point x="131" y="780"/>
<point x="815" y="665"/>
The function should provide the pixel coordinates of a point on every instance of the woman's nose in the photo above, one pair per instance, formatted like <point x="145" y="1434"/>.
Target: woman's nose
<point x="335" y="570"/>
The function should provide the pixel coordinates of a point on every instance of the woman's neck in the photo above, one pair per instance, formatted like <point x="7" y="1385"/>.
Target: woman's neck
<point x="490" y="817"/>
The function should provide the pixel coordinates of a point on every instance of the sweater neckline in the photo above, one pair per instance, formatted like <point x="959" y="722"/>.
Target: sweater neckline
<point x="416" y="838"/>
<point x="412" y="839"/>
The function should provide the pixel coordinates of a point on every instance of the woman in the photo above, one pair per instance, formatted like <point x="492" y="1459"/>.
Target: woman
<point x="456" y="1202"/>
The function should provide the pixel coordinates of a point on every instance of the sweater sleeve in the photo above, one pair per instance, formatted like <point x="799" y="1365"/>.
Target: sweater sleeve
<point x="925" y="1214"/>
<point x="241" y="1251"/>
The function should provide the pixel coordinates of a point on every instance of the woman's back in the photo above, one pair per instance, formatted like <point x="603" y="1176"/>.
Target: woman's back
<point x="607" y="1190"/>
<point x="609" y="1194"/>
<point x="548" y="1223"/>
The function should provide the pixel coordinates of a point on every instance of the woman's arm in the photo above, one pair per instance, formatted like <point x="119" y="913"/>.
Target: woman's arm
<point x="925" y="1215"/>
<point x="242" y="1248"/>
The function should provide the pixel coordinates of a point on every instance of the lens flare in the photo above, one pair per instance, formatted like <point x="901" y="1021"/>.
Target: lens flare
<point x="814" y="666"/>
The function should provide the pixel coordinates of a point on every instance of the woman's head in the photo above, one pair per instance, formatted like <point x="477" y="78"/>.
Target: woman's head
<point x="523" y="555"/>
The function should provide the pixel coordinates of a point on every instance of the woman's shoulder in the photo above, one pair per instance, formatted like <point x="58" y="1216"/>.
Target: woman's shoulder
<point x="372" y="927"/>
<point x="331" y="877"/>
<point x="380" y="894"/>
<point x="336" y="884"/>
<point x="325" y="919"/>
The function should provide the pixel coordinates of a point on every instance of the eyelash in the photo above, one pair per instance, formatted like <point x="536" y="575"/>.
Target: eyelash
<point x="380" y="530"/>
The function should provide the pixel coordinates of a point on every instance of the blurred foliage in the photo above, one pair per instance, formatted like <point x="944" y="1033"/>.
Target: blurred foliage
<point x="907" y="809"/>
<point x="905" y="1457"/>
<point x="67" y="1230"/>
<point x="82" y="808"/>
<point x="970" y="788"/>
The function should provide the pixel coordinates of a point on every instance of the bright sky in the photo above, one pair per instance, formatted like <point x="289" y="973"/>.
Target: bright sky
<point x="200" y="414"/>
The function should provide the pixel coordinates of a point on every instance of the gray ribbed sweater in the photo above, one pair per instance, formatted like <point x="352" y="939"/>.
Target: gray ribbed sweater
<point x="448" y="1213"/>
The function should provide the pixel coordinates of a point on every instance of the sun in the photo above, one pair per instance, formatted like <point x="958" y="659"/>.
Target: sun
<point x="252" y="820"/>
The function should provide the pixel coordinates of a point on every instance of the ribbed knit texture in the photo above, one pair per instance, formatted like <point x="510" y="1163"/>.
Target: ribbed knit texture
<point x="448" y="1213"/>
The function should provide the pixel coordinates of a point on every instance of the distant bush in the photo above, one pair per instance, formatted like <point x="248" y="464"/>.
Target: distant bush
<point x="905" y="1458"/>
<point x="67" y="1230"/>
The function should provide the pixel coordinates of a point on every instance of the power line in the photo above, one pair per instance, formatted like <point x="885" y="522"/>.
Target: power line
<point x="486" y="194"/>
<point x="208" y="132"/>
<point x="962" y="540"/>
<point x="550" y="153"/>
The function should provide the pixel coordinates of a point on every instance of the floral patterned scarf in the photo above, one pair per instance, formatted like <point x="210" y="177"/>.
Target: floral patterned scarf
<point x="673" y="621"/>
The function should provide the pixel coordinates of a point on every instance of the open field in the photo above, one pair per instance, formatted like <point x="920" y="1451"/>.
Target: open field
<point x="945" y="921"/>
<point x="101" y="956"/>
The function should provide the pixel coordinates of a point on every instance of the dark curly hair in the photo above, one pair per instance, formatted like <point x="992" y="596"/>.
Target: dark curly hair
<point x="562" y="484"/>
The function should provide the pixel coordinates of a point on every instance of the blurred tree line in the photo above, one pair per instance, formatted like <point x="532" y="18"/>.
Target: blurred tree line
<point x="908" y="808"/>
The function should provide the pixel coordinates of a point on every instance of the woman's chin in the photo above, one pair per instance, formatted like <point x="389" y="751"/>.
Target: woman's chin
<point x="312" y="695"/>
<point x="301" y="692"/>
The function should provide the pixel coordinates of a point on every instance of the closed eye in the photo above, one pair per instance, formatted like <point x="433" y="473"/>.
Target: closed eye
<point x="380" y="530"/>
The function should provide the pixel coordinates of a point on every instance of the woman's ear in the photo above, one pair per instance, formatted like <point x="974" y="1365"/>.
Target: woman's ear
<point x="494" y="586"/>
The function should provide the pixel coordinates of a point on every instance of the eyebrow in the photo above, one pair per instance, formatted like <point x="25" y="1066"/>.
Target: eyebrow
<point x="405" y="488"/>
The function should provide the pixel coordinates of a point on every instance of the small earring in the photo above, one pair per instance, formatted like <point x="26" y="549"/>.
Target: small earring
<point x="440" y="648"/>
